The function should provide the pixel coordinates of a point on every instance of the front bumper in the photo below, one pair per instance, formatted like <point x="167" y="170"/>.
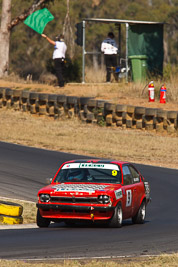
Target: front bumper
<point x="59" y="207"/>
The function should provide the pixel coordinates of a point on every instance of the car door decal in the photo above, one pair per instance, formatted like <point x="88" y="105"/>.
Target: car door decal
<point x="128" y="198"/>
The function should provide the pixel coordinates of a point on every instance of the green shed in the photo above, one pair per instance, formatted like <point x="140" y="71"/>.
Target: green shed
<point x="144" y="40"/>
<point x="147" y="39"/>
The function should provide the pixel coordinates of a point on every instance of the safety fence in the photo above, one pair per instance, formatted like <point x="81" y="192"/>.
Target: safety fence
<point x="90" y="110"/>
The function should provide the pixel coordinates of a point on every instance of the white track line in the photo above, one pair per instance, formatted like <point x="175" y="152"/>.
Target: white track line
<point x="90" y="258"/>
<point x="18" y="226"/>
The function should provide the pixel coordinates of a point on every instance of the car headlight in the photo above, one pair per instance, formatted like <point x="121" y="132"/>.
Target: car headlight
<point x="44" y="197"/>
<point x="103" y="199"/>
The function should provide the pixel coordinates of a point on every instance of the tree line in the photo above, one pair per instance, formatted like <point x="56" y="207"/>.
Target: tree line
<point x="24" y="52"/>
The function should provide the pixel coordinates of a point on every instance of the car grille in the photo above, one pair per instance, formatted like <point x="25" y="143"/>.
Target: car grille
<point x="81" y="200"/>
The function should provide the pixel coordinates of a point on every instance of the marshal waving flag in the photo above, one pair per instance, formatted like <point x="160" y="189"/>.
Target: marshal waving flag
<point x="38" y="20"/>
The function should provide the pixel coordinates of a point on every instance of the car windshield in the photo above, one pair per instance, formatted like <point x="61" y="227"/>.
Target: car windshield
<point x="89" y="172"/>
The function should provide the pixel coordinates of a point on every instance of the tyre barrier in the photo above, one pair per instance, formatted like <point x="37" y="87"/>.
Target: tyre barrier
<point x="16" y="99"/>
<point x="149" y="118"/>
<point x="42" y="104"/>
<point x="60" y="106"/>
<point x="120" y="114"/>
<point x="100" y="111"/>
<point x="25" y="101"/>
<point x="51" y="104"/>
<point x="33" y="103"/>
<point x="83" y="109"/>
<point x="2" y="96"/>
<point x="172" y="118"/>
<point x="71" y="106"/>
<point x="8" y="97"/>
<point x="109" y="113"/>
<point x="10" y="213"/>
<point x="90" y="110"/>
<point x="161" y="120"/>
<point x="130" y="117"/>
<point x="139" y="113"/>
<point x="10" y="220"/>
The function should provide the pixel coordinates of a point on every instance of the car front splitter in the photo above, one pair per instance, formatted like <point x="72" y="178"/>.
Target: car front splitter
<point x="73" y="207"/>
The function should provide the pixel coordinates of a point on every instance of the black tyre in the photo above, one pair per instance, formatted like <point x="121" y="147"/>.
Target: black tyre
<point x="150" y="112"/>
<point x="25" y="94"/>
<point x="52" y="98"/>
<point x="100" y="103"/>
<point x="172" y="115"/>
<point x="8" y="92"/>
<point x="109" y="107"/>
<point x="83" y="100"/>
<point x="33" y="96"/>
<point x="140" y="215"/>
<point x="43" y="97"/>
<point x="121" y="108"/>
<point x="130" y="109"/>
<point x="72" y="100"/>
<point x="40" y="221"/>
<point x="61" y="99"/>
<point x="92" y="103"/>
<point x="17" y="93"/>
<point x="139" y="110"/>
<point x="116" y="221"/>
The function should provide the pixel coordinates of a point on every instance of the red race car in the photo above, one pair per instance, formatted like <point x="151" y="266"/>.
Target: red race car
<point x="95" y="190"/>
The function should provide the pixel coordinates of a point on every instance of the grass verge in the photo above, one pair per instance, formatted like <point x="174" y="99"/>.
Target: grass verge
<point x="160" y="261"/>
<point x="70" y="135"/>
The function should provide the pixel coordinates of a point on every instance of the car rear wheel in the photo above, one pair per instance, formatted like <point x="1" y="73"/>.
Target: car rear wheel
<point x="42" y="222"/>
<point x="141" y="214"/>
<point x="116" y="221"/>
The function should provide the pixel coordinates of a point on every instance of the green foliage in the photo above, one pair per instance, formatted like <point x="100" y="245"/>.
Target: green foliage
<point x="72" y="70"/>
<point x="31" y="54"/>
<point x="167" y="72"/>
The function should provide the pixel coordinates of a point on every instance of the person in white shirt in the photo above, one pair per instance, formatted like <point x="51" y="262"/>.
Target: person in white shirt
<point x="110" y="49"/>
<point x="58" y="56"/>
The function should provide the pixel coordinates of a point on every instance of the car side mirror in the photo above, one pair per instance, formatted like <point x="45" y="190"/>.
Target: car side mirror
<point x="49" y="180"/>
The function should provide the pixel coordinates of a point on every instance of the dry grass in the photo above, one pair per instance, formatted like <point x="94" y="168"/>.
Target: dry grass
<point x="73" y="136"/>
<point x="161" y="261"/>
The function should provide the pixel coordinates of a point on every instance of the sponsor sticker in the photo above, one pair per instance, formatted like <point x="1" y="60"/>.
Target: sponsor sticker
<point x="136" y="179"/>
<point x="114" y="173"/>
<point x="118" y="193"/>
<point x="92" y="165"/>
<point x="67" y="166"/>
<point x="84" y="188"/>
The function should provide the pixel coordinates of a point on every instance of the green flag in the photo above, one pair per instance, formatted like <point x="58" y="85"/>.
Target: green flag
<point x="38" y="20"/>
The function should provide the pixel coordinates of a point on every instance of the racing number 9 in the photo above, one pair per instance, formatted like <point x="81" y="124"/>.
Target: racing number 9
<point x="129" y="198"/>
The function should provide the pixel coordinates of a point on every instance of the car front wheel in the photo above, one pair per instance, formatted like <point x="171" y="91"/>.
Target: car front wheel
<point x="41" y="222"/>
<point x="140" y="215"/>
<point x="116" y="221"/>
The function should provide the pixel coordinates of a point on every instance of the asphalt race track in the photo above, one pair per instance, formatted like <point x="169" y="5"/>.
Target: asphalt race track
<point x="23" y="171"/>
